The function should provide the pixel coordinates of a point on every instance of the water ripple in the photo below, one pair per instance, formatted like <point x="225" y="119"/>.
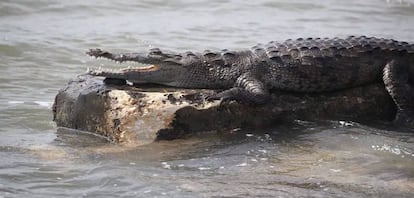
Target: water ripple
<point x="43" y="44"/>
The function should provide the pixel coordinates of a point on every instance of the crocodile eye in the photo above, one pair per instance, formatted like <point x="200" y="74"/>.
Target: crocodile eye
<point x="155" y="51"/>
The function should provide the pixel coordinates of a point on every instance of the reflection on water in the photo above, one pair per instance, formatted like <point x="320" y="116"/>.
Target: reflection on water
<point x="42" y="45"/>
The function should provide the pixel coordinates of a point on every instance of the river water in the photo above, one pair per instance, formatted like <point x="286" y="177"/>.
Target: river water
<point x="42" y="46"/>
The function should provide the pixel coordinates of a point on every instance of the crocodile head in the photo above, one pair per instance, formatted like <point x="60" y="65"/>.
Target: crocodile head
<point x="161" y="68"/>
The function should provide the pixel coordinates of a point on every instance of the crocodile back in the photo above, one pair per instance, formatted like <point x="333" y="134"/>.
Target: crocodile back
<point x="323" y="64"/>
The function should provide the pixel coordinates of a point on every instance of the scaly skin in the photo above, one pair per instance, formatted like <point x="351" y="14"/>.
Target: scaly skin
<point x="301" y="65"/>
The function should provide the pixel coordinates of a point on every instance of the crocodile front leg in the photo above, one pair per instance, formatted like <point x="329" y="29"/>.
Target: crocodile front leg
<point x="247" y="90"/>
<point x="396" y="80"/>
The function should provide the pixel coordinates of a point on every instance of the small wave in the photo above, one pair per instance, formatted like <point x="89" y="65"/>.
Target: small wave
<point x="43" y="103"/>
<point x="15" y="102"/>
<point x="47" y="104"/>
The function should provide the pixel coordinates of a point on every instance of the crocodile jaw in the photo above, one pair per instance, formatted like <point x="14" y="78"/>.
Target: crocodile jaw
<point x="141" y="75"/>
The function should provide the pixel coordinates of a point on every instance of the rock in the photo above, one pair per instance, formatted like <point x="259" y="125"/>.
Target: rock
<point x="141" y="115"/>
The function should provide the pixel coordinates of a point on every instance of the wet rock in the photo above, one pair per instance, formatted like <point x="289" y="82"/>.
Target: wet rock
<point x="140" y="115"/>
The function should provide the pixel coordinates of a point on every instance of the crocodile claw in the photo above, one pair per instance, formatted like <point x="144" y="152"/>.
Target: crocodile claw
<point x="211" y="96"/>
<point x="224" y="99"/>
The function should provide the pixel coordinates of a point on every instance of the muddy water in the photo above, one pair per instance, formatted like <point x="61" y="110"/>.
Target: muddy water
<point x="42" y="45"/>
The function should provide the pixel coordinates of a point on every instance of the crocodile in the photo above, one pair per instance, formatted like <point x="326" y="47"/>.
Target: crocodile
<point x="308" y="65"/>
